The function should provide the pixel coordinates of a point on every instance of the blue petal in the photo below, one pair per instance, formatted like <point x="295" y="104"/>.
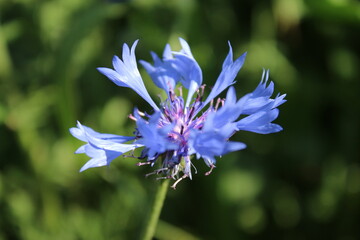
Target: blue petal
<point x="254" y="105"/>
<point x="162" y="73"/>
<point x="106" y="144"/>
<point x="80" y="133"/>
<point x="102" y="148"/>
<point x="161" y="76"/>
<point x="113" y="76"/>
<point x="209" y="144"/>
<point x="153" y="138"/>
<point x="260" y="100"/>
<point x="268" y="128"/>
<point x="259" y="118"/>
<point x="229" y="58"/>
<point x="260" y="122"/>
<point x="81" y="149"/>
<point x="230" y="96"/>
<point x="99" y="157"/>
<point x="126" y="73"/>
<point x="234" y="146"/>
<point x="185" y="47"/>
<point x="279" y="100"/>
<point x="263" y="90"/>
<point x="190" y="71"/>
<point x="222" y="119"/>
<point x="167" y="54"/>
<point x="226" y="78"/>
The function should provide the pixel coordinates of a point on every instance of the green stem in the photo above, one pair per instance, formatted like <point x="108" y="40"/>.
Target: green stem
<point x="156" y="210"/>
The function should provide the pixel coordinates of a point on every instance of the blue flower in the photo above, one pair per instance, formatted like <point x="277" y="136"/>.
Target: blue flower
<point x="178" y="129"/>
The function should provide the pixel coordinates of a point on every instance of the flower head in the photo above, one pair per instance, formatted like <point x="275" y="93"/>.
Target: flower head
<point x="179" y="128"/>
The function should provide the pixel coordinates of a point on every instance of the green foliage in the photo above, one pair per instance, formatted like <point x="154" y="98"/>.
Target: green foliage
<point x="299" y="184"/>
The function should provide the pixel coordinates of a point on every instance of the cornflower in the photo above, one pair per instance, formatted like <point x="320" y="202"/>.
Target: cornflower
<point x="178" y="129"/>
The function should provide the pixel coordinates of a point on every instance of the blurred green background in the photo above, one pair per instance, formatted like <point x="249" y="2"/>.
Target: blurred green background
<point x="302" y="183"/>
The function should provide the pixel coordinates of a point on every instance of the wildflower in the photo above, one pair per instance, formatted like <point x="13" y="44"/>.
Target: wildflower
<point x="180" y="128"/>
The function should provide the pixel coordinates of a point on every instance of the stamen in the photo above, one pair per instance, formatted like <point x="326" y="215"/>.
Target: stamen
<point x="175" y="172"/>
<point x="191" y="112"/>
<point x="156" y="171"/>
<point x="200" y="93"/>
<point x="222" y="102"/>
<point x="193" y="167"/>
<point x="161" y="99"/>
<point x="180" y="91"/>
<point x="202" y="89"/>
<point x="132" y="117"/>
<point x="141" y="163"/>
<point x="141" y="113"/>
<point x="211" y="168"/>
<point x="211" y="103"/>
<point x="172" y="95"/>
<point x="217" y="103"/>
<point x="179" y="180"/>
<point x="132" y="154"/>
<point x="162" y="178"/>
<point x="198" y="96"/>
<point x="166" y="113"/>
